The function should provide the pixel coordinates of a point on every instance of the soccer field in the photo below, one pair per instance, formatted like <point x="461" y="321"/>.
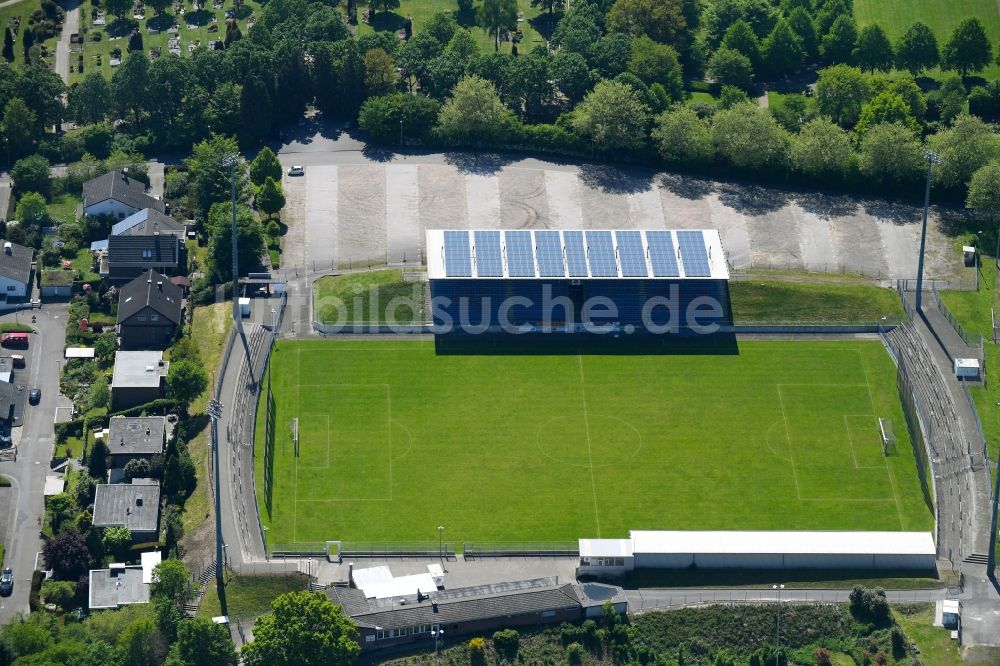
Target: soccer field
<point x="395" y="440"/>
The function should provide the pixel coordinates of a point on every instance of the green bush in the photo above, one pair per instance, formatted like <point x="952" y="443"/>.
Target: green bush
<point x="574" y="654"/>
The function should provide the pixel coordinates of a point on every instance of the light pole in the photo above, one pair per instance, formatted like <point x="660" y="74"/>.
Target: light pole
<point x="441" y="545"/>
<point x="438" y="634"/>
<point x="777" y="632"/>
<point x="932" y="159"/>
<point x="401" y="131"/>
<point x="232" y="162"/>
<point x="215" y="413"/>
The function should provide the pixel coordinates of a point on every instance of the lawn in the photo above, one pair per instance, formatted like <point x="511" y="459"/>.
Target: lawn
<point x="84" y="262"/>
<point x="24" y="10"/>
<point x="895" y="16"/>
<point x="62" y="208"/>
<point x="395" y="440"/>
<point x="533" y="26"/>
<point x="774" y="301"/>
<point x="249" y="596"/>
<point x="365" y="297"/>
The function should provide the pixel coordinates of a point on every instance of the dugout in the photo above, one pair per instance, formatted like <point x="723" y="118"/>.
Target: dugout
<point x="543" y="281"/>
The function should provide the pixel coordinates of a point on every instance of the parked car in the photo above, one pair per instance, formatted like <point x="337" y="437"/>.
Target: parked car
<point x="17" y="360"/>
<point x="35" y="396"/>
<point x="6" y="582"/>
<point x="297" y="170"/>
<point x="17" y="340"/>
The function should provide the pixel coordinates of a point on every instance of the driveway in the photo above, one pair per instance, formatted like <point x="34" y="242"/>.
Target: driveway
<point x="27" y="474"/>
<point x="357" y="204"/>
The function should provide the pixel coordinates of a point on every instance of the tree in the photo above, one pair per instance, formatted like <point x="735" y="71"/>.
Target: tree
<point x="984" y="101"/>
<point x="414" y="56"/>
<point x="42" y="90"/>
<point x="256" y="112"/>
<point x="90" y="99"/>
<point x="496" y="15"/>
<point x="32" y="174"/>
<point x="886" y="107"/>
<point x="964" y="148"/>
<point x="741" y="38"/>
<point x="890" y="154"/>
<point x="530" y="86"/>
<point x="475" y="114"/>
<point x="59" y="592"/>
<point x="201" y="642"/>
<point x="984" y="190"/>
<point x="683" y="138"/>
<point x="750" y="138"/>
<point x="32" y="209"/>
<point x="950" y="99"/>
<point x="159" y="5"/>
<point x="908" y="89"/>
<point x="326" y="25"/>
<point x="731" y="68"/>
<point x="19" y="127"/>
<point x="968" y="48"/>
<point x="380" y="72"/>
<point x="129" y="85"/>
<point x="821" y="150"/>
<point x="97" y="459"/>
<point x="305" y="629"/>
<point x="250" y="243"/>
<point x="783" y="54"/>
<point x="609" y="55"/>
<point x="141" y="644"/>
<point x="804" y="28"/>
<point x="571" y="74"/>
<point x="172" y="581"/>
<point x="385" y="117"/>
<point x="441" y="27"/>
<point x="577" y="31"/>
<point x="137" y="468"/>
<point x="186" y="381"/>
<point x="656" y="63"/>
<point x="874" y="51"/>
<point x="209" y="178"/>
<point x="118" y="7"/>
<point x="663" y="21"/>
<point x="264" y="166"/>
<point x="841" y="92"/>
<point x="270" y="199"/>
<point x="384" y="6"/>
<point x="613" y="117"/>
<point x="116" y="540"/>
<point x="463" y="46"/>
<point x="839" y="44"/>
<point x="917" y="49"/>
<point x="66" y="554"/>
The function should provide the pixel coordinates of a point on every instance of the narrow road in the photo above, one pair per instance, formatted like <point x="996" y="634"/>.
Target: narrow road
<point x="27" y="473"/>
<point x="71" y="26"/>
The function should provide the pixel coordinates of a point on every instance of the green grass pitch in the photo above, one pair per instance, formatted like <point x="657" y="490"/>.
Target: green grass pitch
<point x="395" y="440"/>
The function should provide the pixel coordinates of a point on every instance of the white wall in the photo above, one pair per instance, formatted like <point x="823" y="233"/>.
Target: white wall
<point x="115" y="209"/>
<point x="13" y="288"/>
<point x="779" y="561"/>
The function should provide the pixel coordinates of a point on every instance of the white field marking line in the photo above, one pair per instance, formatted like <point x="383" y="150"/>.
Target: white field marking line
<point x="885" y="459"/>
<point x="590" y="450"/>
<point x="841" y="500"/>
<point x="388" y="432"/>
<point x="788" y="440"/>
<point x="327" y="465"/>
<point x="851" y="439"/>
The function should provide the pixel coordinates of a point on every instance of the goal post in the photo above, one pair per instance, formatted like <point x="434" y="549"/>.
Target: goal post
<point x="887" y="435"/>
<point x="295" y="435"/>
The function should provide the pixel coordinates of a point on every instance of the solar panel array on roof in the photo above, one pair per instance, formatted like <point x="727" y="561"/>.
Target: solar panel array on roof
<point x="602" y="254"/>
<point x="576" y="254"/>
<point x="489" y="263"/>
<point x="457" y="257"/>
<point x="661" y="253"/>
<point x="630" y="254"/>
<point x="693" y="253"/>
<point x="520" y="257"/>
<point x="548" y="250"/>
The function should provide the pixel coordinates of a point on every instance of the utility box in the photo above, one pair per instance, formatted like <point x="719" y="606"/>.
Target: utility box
<point x="969" y="255"/>
<point x="951" y="614"/>
<point x="244" y="307"/>
<point x="967" y="368"/>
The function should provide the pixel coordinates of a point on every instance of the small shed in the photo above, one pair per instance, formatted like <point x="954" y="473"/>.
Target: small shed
<point x="79" y="352"/>
<point x="57" y="283"/>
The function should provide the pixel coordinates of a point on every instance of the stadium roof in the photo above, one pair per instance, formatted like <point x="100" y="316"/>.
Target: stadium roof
<point x="800" y="543"/>
<point x="576" y="255"/>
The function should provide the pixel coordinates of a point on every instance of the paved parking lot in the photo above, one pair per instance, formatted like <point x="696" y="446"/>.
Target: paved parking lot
<point x="352" y="206"/>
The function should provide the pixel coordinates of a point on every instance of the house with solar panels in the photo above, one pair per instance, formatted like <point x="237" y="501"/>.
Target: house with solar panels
<point x="632" y="281"/>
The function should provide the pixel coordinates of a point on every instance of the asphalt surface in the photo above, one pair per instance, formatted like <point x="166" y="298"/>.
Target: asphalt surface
<point x="28" y="472"/>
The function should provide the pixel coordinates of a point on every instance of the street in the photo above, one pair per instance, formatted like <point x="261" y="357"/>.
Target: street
<point x="27" y="474"/>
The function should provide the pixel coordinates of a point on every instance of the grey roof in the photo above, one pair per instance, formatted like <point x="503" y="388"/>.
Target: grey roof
<point x="119" y="504"/>
<point x="154" y="250"/>
<point x="351" y="599"/>
<point x="117" y="586"/>
<point x="118" y="186"/>
<point x="598" y="594"/>
<point x="15" y="262"/>
<point x="136" y="435"/>
<point x="153" y="290"/>
<point x="469" y="604"/>
<point x="10" y="397"/>
<point x="146" y="222"/>
<point x="139" y="369"/>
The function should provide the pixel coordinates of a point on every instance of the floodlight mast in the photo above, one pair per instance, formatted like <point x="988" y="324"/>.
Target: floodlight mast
<point x="932" y="159"/>
<point x="233" y="161"/>
<point x="214" y="410"/>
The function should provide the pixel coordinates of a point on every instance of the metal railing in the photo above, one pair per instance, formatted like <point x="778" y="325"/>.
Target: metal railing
<point x="952" y="319"/>
<point x="472" y="550"/>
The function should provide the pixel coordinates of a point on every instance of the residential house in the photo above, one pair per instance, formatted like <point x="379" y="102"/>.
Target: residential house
<point x="123" y="584"/>
<point x="130" y="256"/>
<point x="15" y="272"/>
<point x="117" y="195"/>
<point x="150" y="310"/>
<point x="134" y="438"/>
<point x="134" y="505"/>
<point x="147" y="222"/>
<point x="139" y="376"/>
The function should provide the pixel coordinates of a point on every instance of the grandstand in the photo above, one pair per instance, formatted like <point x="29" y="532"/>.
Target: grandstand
<point x="651" y="281"/>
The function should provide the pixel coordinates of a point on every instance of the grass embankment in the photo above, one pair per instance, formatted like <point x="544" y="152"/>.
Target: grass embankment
<point x="768" y="300"/>
<point x="365" y="297"/>
<point x="211" y="325"/>
<point x="249" y="596"/>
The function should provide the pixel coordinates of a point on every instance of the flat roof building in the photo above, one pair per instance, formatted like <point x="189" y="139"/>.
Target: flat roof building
<point x="135" y="505"/>
<point x="138" y="377"/>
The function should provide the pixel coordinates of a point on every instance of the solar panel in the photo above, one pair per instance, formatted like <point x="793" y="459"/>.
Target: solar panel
<point x="457" y="257"/>
<point x="488" y="261"/>
<point x="631" y="254"/>
<point x="661" y="254"/>
<point x="520" y="257"/>
<point x="549" y="251"/>
<point x="601" y="252"/>
<point x="693" y="253"/>
<point x="576" y="255"/>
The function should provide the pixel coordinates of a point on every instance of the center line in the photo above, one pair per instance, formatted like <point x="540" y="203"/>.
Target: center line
<point x="590" y="449"/>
